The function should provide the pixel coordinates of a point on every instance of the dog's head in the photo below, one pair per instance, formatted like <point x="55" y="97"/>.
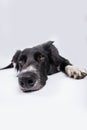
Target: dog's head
<point x="34" y="64"/>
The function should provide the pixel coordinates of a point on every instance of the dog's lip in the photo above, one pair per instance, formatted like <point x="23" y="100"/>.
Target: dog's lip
<point x="31" y="89"/>
<point x="26" y="90"/>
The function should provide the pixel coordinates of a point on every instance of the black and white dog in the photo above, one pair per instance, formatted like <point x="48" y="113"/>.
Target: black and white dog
<point x="35" y="64"/>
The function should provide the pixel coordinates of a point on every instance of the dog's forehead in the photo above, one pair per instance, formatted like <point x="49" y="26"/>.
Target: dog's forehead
<point x="33" y="50"/>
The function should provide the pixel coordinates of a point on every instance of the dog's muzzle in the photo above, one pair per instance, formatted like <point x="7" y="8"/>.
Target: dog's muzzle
<point x="29" y="81"/>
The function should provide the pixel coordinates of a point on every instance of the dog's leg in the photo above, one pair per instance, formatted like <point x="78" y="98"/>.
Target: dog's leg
<point x="70" y="70"/>
<point x="63" y="64"/>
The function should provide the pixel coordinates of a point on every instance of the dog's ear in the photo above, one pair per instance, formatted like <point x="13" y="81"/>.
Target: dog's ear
<point x="52" y="52"/>
<point x="15" y="59"/>
<point x="16" y="56"/>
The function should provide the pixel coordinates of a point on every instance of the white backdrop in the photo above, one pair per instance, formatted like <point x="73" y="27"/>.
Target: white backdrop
<point x="62" y="103"/>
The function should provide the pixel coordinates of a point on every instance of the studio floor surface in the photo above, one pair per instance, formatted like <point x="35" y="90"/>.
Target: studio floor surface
<point x="61" y="104"/>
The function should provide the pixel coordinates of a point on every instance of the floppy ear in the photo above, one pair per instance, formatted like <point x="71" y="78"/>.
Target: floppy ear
<point x="16" y="56"/>
<point x="15" y="59"/>
<point x="52" y="52"/>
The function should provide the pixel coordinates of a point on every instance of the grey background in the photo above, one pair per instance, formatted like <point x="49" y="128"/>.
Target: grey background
<point x="30" y="22"/>
<point x="62" y="103"/>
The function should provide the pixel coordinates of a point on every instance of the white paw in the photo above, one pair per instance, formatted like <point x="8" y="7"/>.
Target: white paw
<point x="75" y="72"/>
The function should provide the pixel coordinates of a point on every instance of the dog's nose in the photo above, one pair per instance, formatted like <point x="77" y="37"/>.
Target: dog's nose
<point x="26" y="82"/>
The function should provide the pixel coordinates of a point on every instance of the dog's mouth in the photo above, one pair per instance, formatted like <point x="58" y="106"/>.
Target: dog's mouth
<point x="26" y="90"/>
<point x="34" y="88"/>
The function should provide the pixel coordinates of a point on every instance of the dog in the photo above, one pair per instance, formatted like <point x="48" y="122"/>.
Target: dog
<point x="35" y="64"/>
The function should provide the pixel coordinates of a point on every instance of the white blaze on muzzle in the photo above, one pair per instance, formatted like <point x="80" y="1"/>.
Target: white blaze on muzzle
<point x="30" y="68"/>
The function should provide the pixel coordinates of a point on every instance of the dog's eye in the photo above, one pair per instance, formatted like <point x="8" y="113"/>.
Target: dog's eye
<point x="39" y="57"/>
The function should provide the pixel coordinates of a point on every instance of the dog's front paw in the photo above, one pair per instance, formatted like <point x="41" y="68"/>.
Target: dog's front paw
<point x="75" y="72"/>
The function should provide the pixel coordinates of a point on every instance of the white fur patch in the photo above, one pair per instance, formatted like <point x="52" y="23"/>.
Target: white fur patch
<point x="30" y="69"/>
<point x="75" y="72"/>
<point x="14" y="64"/>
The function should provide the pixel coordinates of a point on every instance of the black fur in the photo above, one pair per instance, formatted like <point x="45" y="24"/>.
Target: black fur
<point x="46" y="60"/>
<point x="8" y="67"/>
<point x="53" y="59"/>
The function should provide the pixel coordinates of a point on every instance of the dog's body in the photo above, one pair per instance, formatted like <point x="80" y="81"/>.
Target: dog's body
<point x="35" y="64"/>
